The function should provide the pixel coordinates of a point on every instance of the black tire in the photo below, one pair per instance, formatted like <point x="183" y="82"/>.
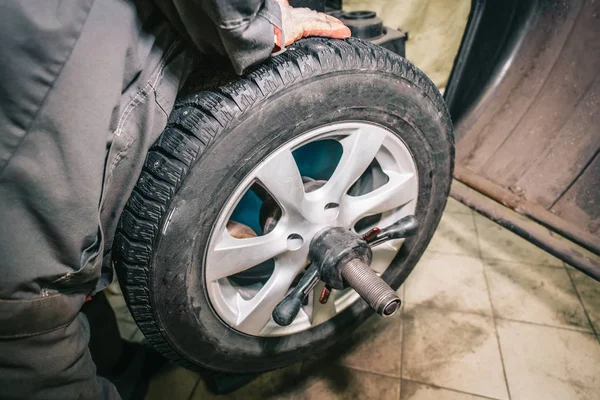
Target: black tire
<point x="214" y="138"/>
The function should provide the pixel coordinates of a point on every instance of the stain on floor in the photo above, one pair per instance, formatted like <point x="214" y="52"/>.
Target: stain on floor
<point x="525" y="328"/>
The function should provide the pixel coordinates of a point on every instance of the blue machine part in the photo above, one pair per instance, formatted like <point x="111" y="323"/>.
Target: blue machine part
<point x="316" y="160"/>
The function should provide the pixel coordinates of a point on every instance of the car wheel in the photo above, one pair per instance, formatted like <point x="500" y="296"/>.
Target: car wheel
<point x="330" y="133"/>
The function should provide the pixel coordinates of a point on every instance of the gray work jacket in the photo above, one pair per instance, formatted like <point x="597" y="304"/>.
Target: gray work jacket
<point x="85" y="89"/>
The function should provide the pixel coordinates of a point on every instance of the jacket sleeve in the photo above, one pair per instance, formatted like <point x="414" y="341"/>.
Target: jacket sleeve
<point x="243" y="30"/>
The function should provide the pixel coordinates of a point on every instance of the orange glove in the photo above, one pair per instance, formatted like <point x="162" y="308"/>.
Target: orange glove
<point x="303" y="22"/>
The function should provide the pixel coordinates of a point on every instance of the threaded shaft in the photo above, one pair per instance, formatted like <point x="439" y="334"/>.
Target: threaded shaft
<point x="378" y="294"/>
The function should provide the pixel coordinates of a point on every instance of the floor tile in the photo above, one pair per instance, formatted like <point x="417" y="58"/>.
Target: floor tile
<point x="499" y="243"/>
<point x="589" y="291"/>
<point x="376" y="346"/>
<point x="127" y="329"/>
<point x="456" y="207"/>
<point x="535" y="294"/>
<point x="453" y="350"/>
<point x="278" y="384"/>
<point x="114" y="295"/>
<point x="114" y="287"/>
<point x="455" y="235"/>
<point x="117" y="302"/>
<point x="549" y="363"/>
<point x="418" y="391"/>
<point x="173" y="383"/>
<point x="449" y="282"/>
<point x="122" y="313"/>
<point x="137" y="336"/>
<point x="335" y="382"/>
<point x="125" y="321"/>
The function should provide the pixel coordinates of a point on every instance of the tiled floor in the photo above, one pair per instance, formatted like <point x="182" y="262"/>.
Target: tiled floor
<point x="486" y="316"/>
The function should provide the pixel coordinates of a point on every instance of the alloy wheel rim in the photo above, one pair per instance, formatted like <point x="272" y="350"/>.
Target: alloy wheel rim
<point x="248" y="309"/>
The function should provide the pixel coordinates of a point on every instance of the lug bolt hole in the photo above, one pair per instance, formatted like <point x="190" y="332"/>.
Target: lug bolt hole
<point x="294" y="242"/>
<point x="332" y="210"/>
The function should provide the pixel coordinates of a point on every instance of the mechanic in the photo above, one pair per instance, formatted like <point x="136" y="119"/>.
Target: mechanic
<point x="85" y="89"/>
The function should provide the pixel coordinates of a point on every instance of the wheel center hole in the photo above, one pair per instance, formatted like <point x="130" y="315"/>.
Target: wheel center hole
<point x="332" y="210"/>
<point x="294" y="242"/>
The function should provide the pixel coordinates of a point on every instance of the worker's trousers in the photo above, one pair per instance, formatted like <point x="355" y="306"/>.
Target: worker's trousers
<point x="85" y="89"/>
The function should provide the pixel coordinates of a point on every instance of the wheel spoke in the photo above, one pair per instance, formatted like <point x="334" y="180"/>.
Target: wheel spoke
<point x="232" y="255"/>
<point x="321" y="312"/>
<point x="254" y="314"/>
<point x="399" y="190"/>
<point x="359" y="151"/>
<point x="281" y="177"/>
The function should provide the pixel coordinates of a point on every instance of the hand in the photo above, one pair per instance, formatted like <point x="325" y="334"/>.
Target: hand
<point x="303" y="22"/>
